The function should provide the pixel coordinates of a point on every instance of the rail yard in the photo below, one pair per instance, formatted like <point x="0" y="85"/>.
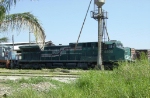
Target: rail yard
<point x="66" y="56"/>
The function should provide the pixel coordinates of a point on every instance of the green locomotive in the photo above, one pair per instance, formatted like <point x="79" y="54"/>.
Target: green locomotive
<point x="66" y="56"/>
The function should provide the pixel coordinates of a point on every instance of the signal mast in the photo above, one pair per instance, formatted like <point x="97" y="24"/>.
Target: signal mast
<point x="98" y="14"/>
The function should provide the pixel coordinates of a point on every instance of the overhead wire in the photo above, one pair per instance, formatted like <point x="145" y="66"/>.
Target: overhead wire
<point x="83" y="24"/>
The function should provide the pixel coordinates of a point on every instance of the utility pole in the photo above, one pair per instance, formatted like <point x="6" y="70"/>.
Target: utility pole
<point x="99" y="16"/>
<point x="100" y="37"/>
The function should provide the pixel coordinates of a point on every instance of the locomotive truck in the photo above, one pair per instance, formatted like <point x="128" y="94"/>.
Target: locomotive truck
<point x="66" y="56"/>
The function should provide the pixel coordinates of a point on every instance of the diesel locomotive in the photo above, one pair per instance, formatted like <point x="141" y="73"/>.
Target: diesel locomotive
<point x="66" y="56"/>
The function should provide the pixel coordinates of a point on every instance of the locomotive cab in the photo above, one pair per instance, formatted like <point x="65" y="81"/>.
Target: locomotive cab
<point x="113" y="51"/>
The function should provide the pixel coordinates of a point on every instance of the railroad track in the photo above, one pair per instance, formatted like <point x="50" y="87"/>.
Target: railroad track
<point x="15" y="74"/>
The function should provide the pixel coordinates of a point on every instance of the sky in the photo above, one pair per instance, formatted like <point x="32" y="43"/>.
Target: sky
<point x="128" y="21"/>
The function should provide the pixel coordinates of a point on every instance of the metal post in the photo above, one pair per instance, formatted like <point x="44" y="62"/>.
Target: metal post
<point x="11" y="63"/>
<point x="13" y="41"/>
<point x="29" y="38"/>
<point x="100" y="36"/>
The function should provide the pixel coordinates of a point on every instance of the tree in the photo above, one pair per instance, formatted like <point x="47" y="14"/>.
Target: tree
<point x="4" y="39"/>
<point x="20" y="21"/>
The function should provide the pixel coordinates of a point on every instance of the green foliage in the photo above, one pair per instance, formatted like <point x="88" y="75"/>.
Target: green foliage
<point x="27" y="93"/>
<point x="34" y="80"/>
<point x="7" y="4"/>
<point x="20" y="21"/>
<point x="129" y="80"/>
<point x="4" y="39"/>
<point x="2" y="13"/>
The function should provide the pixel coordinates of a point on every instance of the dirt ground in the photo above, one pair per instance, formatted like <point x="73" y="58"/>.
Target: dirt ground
<point x="14" y="75"/>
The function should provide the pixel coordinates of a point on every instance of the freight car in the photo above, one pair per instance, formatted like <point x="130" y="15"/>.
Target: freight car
<point x="145" y="51"/>
<point x="66" y="56"/>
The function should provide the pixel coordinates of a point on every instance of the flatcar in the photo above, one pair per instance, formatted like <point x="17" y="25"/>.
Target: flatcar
<point x="66" y="56"/>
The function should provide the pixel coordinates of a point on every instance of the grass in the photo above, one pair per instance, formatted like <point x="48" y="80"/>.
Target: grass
<point x="27" y="93"/>
<point x="34" y="80"/>
<point x="130" y="80"/>
<point x="27" y="88"/>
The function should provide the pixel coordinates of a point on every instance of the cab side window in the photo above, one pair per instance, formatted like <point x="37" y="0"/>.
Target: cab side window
<point x="88" y="44"/>
<point x="120" y="45"/>
<point x="84" y="45"/>
<point x="114" y="45"/>
<point x="72" y="45"/>
<point x="104" y="46"/>
<point x="110" y="46"/>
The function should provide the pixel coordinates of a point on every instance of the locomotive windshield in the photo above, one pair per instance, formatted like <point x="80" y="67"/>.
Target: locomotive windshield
<point x="112" y="45"/>
<point x="119" y="45"/>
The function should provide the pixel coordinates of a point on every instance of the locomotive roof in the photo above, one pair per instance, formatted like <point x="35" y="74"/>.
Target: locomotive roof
<point x="27" y="46"/>
<point x="113" y="41"/>
<point x="83" y="42"/>
<point x="106" y="42"/>
<point x="36" y="46"/>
